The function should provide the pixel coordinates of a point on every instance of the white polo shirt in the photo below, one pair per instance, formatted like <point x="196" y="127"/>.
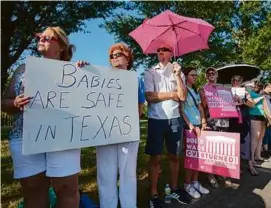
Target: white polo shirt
<point x="162" y="79"/>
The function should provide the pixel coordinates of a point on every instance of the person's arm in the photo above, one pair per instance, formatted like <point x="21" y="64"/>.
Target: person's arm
<point x="141" y="97"/>
<point x="155" y="97"/>
<point x="140" y="109"/>
<point x="188" y="123"/>
<point x="203" y="99"/>
<point x="181" y="89"/>
<point x="256" y="100"/>
<point x="266" y="109"/>
<point x="9" y="102"/>
<point x="202" y="116"/>
<point x="248" y="101"/>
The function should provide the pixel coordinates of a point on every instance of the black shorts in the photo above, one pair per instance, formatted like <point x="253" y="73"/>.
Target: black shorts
<point x="169" y="129"/>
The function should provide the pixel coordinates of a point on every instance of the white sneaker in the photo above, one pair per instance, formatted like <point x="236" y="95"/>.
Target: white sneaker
<point x="191" y="191"/>
<point x="200" y="188"/>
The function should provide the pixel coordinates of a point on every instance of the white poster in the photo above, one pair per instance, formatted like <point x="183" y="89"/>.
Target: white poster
<point x="240" y="91"/>
<point x="78" y="107"/>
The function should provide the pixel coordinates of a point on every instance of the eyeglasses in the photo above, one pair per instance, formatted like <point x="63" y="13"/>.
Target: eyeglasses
<point x="193" y="75"/>
<point x="163" y="50"/>
<point x="117" y="55"/>
<point x="211" y="74"/>
<point x="46" y="38"/>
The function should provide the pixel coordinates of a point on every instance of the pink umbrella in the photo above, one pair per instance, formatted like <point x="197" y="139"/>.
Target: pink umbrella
<point x="183" y="34"/>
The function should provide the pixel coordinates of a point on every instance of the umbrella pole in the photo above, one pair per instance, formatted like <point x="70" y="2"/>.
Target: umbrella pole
<point x="174" y="54"/>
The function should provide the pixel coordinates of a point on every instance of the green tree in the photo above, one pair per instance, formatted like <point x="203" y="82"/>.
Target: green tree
<point x="22" y="19"/>
<point x="237" y="23"/>
<point x="257" y="48"/>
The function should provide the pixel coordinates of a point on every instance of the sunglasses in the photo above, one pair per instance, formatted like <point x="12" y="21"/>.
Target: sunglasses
<point x="163" y="50"/>
<point x="117" y="55"/>
<point x="211" y="74"/>
<point x="193" y="75"/>
<point x="46" y="38"/>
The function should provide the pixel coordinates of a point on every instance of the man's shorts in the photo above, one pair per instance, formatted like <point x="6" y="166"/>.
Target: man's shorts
<point x="169" y="129"/>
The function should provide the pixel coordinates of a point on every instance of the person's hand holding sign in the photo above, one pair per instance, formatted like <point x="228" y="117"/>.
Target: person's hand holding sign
<point x="81" y="64"/>
<point x="20" y="101"/>
<point x="237" y="99"/>
<point x="196" y="129"/>
<point x="177" y="69"/>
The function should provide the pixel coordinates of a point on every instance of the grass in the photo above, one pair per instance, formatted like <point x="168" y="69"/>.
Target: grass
<point x="11" y="191"/>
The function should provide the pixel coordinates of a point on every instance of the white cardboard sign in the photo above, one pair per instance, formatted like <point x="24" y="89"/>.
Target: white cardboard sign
<point x="78" y="107"/>
<point x="240" y="91"/>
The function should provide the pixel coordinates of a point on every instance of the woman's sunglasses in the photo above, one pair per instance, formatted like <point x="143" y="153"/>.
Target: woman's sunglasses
<point x="46" y="38"/>
<point x="117" y="55"/>
<point x="163" y="50"/>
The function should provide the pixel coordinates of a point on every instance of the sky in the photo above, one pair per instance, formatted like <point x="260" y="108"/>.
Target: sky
<point x="93" y="47"/>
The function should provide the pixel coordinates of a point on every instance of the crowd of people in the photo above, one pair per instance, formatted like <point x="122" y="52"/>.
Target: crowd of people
<point x="174" y="104"/>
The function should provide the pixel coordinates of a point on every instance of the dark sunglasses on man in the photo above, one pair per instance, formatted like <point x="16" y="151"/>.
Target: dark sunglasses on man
<point x="211" y="74"/>
<point x="117" y="55"/>
<point x="163" y="50"/>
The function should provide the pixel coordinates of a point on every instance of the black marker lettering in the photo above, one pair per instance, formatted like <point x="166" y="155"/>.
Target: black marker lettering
<point x="84" y="79"/>
<point x="66" y="73"/>
<point x="119" y="106"/>
<point x="72" y="126"/>
<point x="53" y="134"/>
<point x="128" y="124"/>
<point x="118" y="88"/>
<point x="114" y="126"/>
<point x="38" y="134"/>
<point x="49" y="98"/>
<point x="84" y="126"/>
<point x="35" y="99"/>
<point x="102" y="127"/>
<point x="88" y="98"/>
<point x="60" y="100"/>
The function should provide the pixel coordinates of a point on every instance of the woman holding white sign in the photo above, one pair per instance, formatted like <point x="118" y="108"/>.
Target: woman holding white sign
<point x="244" y="102"/>
<point x="193" y="115"/>
<point x="119" y="158"/>
<point x="37" y="171"/>
<point x="258" y="123"/>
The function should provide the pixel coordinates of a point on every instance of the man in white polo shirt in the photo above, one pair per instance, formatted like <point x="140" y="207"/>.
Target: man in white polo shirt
<point x="164" y="90"/>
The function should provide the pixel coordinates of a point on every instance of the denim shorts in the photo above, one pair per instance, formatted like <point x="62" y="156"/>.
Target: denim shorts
<point x="170" y="130"/>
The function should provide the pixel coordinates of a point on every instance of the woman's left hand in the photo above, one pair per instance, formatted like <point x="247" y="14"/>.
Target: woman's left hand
<point x="81" y="64"/>
<point x="197" y="131"/>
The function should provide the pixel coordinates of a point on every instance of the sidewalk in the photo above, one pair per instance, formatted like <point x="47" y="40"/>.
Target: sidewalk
<point x="249" y="192"/>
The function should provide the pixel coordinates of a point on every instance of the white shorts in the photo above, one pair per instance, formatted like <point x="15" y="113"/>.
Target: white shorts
<point x="55" y="164"/>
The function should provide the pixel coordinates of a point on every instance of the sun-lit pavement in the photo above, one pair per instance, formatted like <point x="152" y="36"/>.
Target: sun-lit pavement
<point x="248" y="192"/>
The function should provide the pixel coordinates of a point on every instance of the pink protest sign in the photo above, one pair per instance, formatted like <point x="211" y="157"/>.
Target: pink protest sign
<point x="220" y="102"/>
<point x="214" y="152"/>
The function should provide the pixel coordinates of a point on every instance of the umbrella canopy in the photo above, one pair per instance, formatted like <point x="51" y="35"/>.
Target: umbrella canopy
<point x="248" y="72"/>
<point x="183" y="34"/>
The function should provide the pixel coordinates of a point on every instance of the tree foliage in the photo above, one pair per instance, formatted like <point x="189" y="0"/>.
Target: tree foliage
<point x="22" y="19"/>
<point x="241" y="35"/>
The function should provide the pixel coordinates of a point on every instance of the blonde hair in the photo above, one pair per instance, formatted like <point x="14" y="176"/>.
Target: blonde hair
<point x="122" y="47"/>
<point x="240" y="78"/>
<point x="67" y="48"/>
